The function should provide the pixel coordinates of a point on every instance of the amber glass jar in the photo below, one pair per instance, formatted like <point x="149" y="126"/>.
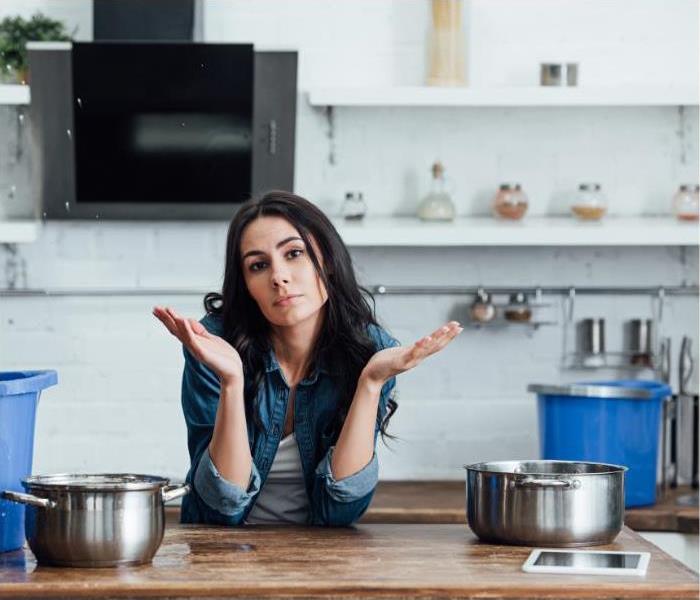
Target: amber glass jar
<point x="510" y="202"/>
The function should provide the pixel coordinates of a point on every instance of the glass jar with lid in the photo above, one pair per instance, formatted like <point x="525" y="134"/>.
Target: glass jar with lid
<point x="354" y="206"/>
<point x="510" y="202"/>
<point x="590" y="204"/>
<point x="685" y="202"/>
<point x="518" y="308"/>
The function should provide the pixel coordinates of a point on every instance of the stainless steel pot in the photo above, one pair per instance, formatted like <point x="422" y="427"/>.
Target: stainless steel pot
<point x="95" y="520"/>
<point x="545" y="502"/>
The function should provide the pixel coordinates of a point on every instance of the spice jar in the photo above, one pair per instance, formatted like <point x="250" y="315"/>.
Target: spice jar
<point x="590" y="203"/>
<point x="518" y="308"/>
<point x="482" y="310"/>
<point x="510" y="202"/>
<point x="685" y="202"/>
<point x="354" y="206"/>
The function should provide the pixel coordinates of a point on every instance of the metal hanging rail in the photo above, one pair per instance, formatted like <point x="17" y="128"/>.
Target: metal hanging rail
<point x="379" y="290"/>
<point x="671" y="290"/>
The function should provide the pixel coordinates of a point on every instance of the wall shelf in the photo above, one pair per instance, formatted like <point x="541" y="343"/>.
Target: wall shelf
<point x="619" y="95"/>
<point x="19" y="231"/>
<point x="14" y="94"/>
<point x="531" y="231"/>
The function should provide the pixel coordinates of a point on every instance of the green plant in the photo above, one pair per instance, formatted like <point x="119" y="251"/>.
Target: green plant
<point x="15" y="32"/>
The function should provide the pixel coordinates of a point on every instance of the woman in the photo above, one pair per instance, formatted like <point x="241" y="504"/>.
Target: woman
<point x="288" y="378"/>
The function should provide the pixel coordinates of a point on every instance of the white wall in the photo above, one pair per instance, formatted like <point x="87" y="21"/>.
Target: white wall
<point x="117" y="404"/>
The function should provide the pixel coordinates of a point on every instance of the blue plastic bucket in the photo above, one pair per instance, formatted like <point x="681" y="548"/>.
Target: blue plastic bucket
<point x="19" y="395"/>
<point x="606" y="421"/>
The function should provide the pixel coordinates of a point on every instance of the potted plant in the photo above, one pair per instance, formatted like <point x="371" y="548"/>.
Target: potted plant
<point x="15" y="32"/>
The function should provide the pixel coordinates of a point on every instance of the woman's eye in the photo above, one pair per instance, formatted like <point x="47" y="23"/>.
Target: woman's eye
<point x="294" y="253"/>
<point x="256" y="266"/>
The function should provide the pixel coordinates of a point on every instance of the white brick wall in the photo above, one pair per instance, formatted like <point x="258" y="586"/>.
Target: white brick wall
<point x="117" y="404"/>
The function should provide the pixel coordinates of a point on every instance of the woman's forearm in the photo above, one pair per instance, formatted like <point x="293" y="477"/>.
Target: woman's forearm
<point x="229" y="448"/>
<point x="355" y="446"/>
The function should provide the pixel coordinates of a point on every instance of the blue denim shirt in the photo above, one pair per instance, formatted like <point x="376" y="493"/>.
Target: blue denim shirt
<point x="215" y="500"/>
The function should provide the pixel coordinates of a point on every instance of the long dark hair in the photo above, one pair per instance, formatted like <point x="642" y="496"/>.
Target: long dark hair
<point x="343" y="340"/>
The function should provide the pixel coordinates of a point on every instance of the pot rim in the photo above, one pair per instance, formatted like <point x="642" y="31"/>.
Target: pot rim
<point x="480" y="467"/>
<point x="94" y="482"/>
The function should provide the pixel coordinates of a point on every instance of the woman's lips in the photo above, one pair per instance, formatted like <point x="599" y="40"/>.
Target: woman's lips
<point x="288" y="300"/>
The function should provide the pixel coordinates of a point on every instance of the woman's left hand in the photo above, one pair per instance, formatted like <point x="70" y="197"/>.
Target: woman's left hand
<point x="390" y="362"/>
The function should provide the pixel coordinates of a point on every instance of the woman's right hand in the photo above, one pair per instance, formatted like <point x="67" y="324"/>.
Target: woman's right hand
<point x="212" y="350"/>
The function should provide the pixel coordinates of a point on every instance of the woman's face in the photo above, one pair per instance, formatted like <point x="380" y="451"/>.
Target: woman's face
<point x="279" y="273"/>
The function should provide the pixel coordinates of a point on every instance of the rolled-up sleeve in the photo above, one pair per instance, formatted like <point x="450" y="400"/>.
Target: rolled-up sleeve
<point x="222" y="495"/>
<point x="341" y="502"/>
<point x="349" y="488"/>
<point x="212" y="498"/>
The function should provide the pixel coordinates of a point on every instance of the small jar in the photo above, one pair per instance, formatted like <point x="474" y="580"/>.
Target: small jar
<point x="518" y="308"/>
<point x="685" y="202"/>
<point x="510" y="202"/>
<point x="354" y="206"/>
<point x="590" y="203"/>
<point x="482" y="310"/>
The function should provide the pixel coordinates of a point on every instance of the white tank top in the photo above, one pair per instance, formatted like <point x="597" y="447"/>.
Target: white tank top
<point x="283" y="497"/>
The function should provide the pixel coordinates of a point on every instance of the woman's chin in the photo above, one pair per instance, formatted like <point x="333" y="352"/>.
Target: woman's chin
<point x="292" y="317"/>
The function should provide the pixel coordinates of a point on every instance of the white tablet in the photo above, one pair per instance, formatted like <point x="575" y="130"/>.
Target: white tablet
<point x="586" y="562"/>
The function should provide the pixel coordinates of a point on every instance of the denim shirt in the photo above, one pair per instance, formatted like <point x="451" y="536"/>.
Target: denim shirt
<point x="332" y="502"/>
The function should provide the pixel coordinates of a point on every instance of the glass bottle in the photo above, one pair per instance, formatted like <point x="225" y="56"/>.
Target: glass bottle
<point x="437" y="205"/>
<point x="510" y="202"/>
<point x="685" y="202"/>
<point x="590" y="203"/>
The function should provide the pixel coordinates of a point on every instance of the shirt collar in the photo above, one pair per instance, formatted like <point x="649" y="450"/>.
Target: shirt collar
<point x="272" y="364"/>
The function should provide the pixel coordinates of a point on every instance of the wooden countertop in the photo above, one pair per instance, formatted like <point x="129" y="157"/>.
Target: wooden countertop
<point x="444" y="502"/>
<point x="367" y="561"/>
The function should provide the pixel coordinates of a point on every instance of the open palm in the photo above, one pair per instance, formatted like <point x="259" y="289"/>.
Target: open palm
<point x="212" y="350"/>
<point x="390" y="362"/>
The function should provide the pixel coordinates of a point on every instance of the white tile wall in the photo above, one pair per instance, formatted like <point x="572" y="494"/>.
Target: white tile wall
<point x="117" y="404"/>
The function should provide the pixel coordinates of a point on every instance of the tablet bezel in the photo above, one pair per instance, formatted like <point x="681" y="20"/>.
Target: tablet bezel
<point x="639" y="571"/>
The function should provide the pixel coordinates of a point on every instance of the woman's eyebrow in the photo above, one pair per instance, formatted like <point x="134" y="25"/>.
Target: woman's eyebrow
<point x="278" y="245"/>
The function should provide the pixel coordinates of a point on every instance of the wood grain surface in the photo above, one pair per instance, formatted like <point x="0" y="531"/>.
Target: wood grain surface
<point x="368" y="561"/>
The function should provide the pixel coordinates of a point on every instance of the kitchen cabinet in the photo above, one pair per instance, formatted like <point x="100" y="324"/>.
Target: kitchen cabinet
<point x="366" y="561"/>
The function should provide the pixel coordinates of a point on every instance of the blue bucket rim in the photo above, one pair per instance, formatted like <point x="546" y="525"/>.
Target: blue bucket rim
<point x="625" y="389"/>
<point x="13" y="383"/>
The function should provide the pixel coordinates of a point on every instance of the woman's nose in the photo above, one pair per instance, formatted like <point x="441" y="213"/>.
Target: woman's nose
<point x="280" y="276"/>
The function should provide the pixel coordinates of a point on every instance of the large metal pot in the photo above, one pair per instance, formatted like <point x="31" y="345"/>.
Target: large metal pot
<point x="545" y="502"/>
<point x="95" y="520"/>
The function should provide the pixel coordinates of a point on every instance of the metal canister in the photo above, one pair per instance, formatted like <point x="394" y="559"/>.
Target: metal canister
<point x="565" y="74"/>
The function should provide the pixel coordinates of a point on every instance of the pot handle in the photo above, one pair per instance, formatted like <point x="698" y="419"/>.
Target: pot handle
<point x="170" y="492"/>
<point x="532" y="482"/>
<point x="27" y="499"/>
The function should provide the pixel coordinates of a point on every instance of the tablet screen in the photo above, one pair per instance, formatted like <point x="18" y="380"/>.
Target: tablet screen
<point x="602" y="560"/>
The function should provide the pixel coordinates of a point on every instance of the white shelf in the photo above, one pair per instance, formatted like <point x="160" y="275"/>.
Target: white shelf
<point x="619" y="95"/>
<point x="531" y="231"/>
<point x="19" y="231"/>
<point x="14" y="94"/>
